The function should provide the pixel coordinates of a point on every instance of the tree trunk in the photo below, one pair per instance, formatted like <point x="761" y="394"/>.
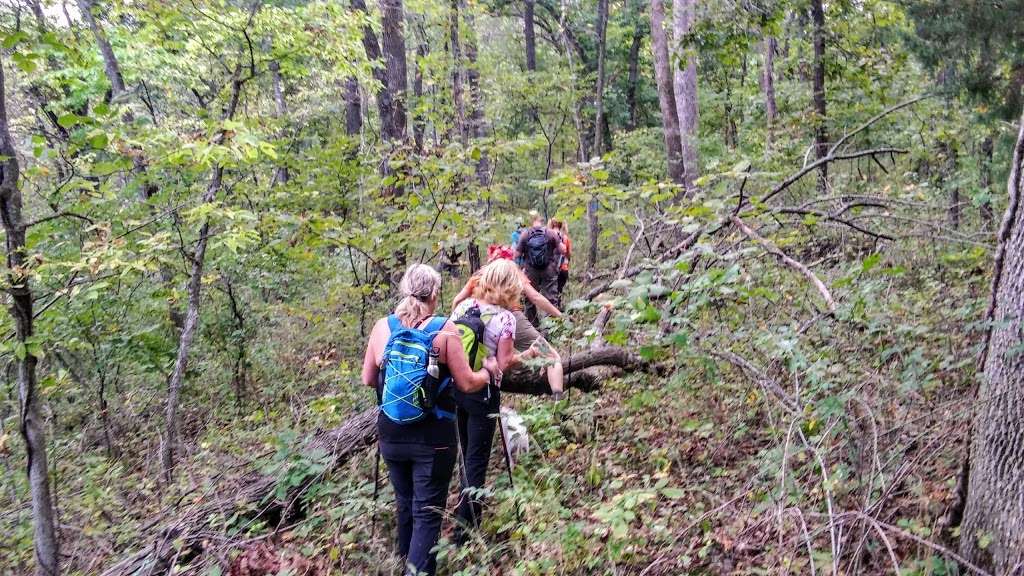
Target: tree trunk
<point x="686" y="92"/>
<point x="666" y="93"/>
<point x="455" y="45"/>
<point x="985" y="181"/>
<point x="353" y="107"/>
<point x="634" y="78"/>
<point x="818" y="92"/>
<point x="195" y="285"/>
<point x="419" y="122"/>
<point x="20" y="299"/>
<point x="393" y="37"/>
<point x="593" y="205"/>
<point x="477" y="121"/>
<point x="530" y="36"/>
<point x="602" y="27"/>
<point x="992" y="533"/>
<point x="280" y="111"/>
<point x="771" y="111"/>
<point x="385" y="99"/>
<point x="110" y="62"/>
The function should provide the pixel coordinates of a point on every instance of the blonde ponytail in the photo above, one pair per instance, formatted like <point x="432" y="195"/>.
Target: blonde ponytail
<point x="419" y="288"/>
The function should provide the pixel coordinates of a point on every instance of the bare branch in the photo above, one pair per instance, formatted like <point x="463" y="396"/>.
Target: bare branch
<point x="822" y="289"/>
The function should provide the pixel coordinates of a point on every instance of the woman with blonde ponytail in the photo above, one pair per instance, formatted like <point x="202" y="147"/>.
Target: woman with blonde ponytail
<point x="421" y="455"/>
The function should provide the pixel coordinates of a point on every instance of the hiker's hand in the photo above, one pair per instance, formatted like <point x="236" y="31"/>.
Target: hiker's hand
<point x="491" y="365"/>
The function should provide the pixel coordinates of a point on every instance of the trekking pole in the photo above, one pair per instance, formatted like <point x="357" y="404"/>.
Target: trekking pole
<point x="504" y="446"/>
<point x="376" y="490"/>
<point x="464" y="481"/>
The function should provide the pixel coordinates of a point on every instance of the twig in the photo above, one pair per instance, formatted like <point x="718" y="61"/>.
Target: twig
<point x="807" y="169"/>
<point x="839" y="143"/>
<point x="822" y="289"/>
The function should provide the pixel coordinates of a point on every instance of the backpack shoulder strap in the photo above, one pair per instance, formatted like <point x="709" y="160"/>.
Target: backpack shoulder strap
<point x="435" y="325"/>
<point x="394" y="324"/>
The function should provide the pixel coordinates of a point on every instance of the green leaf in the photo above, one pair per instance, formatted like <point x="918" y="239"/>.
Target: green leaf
<point x="69" y="120"/>
<point x="99" y="141"/>
<point x="12" y="39"/>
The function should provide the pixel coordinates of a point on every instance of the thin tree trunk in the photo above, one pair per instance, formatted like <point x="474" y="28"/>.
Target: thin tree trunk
<point x="353" y="107"/>
<point x="602" y="27"/>
<point x="477" y="121"/>
<point x="20" y="299"/>
<point x="280" y="111"/>
<point x="992" y="533"/>
<point x="195" y="286"/>
<point x="393" y="42"/>
<point x="530" y="36"/>
<point x="110" y="62"/>
<point x="419" y="122"/>
<point x="455" y="45"/>
<point x="686" y="92"/>
<point x="593" y="205"/>
<point x="771" y="110"/>
<point x="666" y="93"/>
<point x="818" y="91"/>
<point x="634" y="77"/>
<point x="985" y="172"/>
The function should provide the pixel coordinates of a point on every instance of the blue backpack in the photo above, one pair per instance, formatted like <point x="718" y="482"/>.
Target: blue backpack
<point x="409" y="391"/>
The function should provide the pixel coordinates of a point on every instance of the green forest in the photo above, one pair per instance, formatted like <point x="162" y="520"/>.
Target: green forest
<point x="790" y="234"/>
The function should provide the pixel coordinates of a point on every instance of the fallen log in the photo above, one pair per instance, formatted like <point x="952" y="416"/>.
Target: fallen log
<point x="253" y="496"/>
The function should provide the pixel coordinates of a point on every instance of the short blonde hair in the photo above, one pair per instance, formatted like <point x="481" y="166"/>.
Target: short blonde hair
<point x="419" y="288"/>
<point x="500" y="283"/>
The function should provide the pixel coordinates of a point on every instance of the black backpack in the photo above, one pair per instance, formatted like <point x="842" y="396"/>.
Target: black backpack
<point x="471" y="331"/>
<point x="538" y="249"/>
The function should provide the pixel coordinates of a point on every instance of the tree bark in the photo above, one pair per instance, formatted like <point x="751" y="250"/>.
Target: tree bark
<point x="353" y="107"/>
<point x="771" y="111"/>
<point x="992" y="533"/>
<point x="666" y="93"/>
<point x="632" y="85"/>
<point x="19" y="293"/>
<point x="686" y="92"/>
<point x="818" y="92"/>
<point x="393" y="41"/>
<point x="530" y="36"/>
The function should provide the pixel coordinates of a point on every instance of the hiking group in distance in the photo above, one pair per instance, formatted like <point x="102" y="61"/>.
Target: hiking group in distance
<point x="438" y="379"/>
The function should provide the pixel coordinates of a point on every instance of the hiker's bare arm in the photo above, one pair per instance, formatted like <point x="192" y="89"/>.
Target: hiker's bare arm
<point x="454" y="357"/>
<point x="374" y="348"/>
<point x="540" y="301"/>
<point x="466" y="291"/>
<point x="506" y="352"/>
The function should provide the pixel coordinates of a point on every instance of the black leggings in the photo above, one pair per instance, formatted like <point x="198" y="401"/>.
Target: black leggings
<point x="476" y="434"/>
<point x="420" y="475"/>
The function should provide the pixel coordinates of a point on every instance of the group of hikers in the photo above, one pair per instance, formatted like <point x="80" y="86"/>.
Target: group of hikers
<point x="438" y="379"/>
